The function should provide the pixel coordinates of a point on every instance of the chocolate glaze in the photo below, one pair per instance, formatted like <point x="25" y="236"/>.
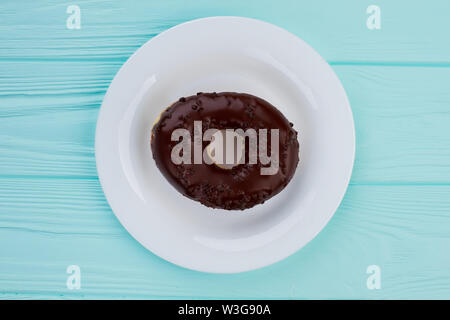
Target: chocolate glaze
<point x="242" y="186"/>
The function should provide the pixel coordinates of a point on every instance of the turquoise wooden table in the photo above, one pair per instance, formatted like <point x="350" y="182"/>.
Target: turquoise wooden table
<point x="395" y="215"/>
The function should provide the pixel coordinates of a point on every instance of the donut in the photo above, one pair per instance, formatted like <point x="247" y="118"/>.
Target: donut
<point x="264" y="143"/>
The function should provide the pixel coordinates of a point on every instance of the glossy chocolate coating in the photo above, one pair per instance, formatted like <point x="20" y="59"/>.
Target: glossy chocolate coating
<point x="243" y="186"/>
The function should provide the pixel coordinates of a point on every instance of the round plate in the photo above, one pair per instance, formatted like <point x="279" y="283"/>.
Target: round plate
<point x="224" y="54"/>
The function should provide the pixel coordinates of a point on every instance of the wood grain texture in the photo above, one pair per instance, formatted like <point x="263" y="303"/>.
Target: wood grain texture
<point x="401" y="121"/>
<point x="410" y="33"/>
<point x="396" y="213"/>
<point x="58" y="222"/>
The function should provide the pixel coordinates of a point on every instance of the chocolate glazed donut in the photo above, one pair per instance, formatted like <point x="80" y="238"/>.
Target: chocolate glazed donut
<point x="242" y="186"/>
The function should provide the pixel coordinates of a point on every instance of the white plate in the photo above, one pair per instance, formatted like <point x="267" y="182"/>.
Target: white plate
<point x="224" y="54"/>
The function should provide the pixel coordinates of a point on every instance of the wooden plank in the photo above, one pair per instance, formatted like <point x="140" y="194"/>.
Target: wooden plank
<point x="112" y="31"/>
<point x="395" y="214"/>
<point x="401" y="122"/>
<point x="58" y="222"/>
<point x="47" y="125"/>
